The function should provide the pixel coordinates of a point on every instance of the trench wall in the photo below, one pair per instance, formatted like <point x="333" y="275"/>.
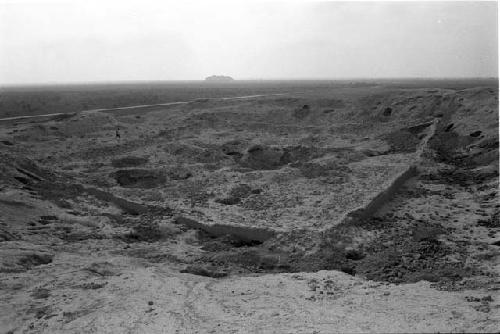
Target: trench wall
<point x="374" y="204"/>
<point x="240" y="232"/>
<point x="370" y="208"/>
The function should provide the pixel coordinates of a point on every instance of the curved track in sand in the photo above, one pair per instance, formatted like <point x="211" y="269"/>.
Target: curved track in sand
<point x="139" y="106"/>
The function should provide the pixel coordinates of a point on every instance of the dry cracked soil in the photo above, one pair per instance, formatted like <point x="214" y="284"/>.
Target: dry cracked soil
<point x="338" y="209"/>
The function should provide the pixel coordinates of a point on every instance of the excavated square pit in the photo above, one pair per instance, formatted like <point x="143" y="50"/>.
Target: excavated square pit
<point x="287" y="199"/>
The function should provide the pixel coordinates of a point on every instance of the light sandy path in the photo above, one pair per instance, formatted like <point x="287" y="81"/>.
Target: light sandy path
<point x="143" y="106"/>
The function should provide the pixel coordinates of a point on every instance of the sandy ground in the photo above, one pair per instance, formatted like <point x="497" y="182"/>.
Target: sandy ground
<point x="229" y="216"/>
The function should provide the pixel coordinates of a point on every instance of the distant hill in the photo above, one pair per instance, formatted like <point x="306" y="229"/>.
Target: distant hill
<point x="218" y="78"/>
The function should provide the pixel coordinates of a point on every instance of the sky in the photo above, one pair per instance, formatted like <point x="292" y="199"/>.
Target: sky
<point x="102" y="40"/>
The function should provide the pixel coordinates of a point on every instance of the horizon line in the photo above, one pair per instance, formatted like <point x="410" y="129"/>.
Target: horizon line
<point x="97" y="82"/>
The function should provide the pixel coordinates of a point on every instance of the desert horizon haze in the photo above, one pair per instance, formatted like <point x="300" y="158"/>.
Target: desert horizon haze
<point x="82" y="41"/>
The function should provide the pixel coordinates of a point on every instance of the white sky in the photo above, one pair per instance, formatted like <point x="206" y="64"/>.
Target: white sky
<point x="90" y="40"/>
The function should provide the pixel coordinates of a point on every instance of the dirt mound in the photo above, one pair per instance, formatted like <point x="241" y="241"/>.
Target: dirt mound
<point x="261" y="157"/>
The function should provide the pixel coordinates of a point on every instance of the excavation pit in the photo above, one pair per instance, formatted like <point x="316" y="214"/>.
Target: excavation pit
<point x="298" y="201"/>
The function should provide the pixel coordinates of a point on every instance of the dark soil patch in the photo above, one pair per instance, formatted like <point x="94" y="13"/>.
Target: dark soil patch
<point x="92" y="285"/>
<point x="413" y="262"/>
<point x="234" y="148"/>
<point x="139" y="178"/>
<point x="6" y="235"/>
<point x="41" y="293"/>
<point x="145" y="231"/>
<point x="261" y="157"/>
<point x="314" y="170"/>
<point x="23" y="180"/>
<point x="36" y="259"/>
<point x="449" y="146"/>
<point x="398" y="253"/>
<point x="45" y="220"/>
<point x="103" y="269"/>
<point x="236" y="194"/>
<point x="417" y="129"/>
<point x="224" y="243"/>
<point x="15" y="203"/>
<point x="228" y="200"/>
<point x="249" y="259"/>
<point x="492" y="222"/>
<point x="179" y="173"/>
<point x="303" y="112"/>
<point x="463" y="177"/>
<point x="402" y="141"/>
<point x="57" y="192"/>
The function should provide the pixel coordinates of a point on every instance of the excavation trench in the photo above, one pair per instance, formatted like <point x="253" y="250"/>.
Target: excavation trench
<point x="346" y="245"/>
<point x="241" y="249"/>
<point x="380" y="248"/>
